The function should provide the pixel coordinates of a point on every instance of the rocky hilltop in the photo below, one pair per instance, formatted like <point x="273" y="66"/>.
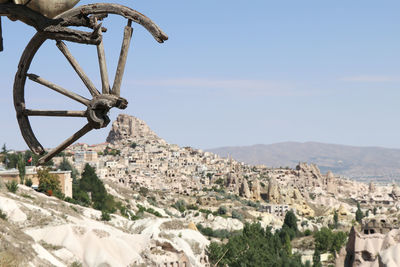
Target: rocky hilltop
<point x="129" y="129"/>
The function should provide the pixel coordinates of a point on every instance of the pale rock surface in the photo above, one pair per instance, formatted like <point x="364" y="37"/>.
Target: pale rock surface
<point x="244" y="189"/>
<point x="126" y="128"/>
<point x="12" y="209"/>
<point x="59" y="233"/>
<point x="256" y="190"/>
<point x="374" y="249"/>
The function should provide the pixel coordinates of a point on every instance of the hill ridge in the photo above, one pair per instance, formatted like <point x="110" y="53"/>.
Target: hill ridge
<point x="370" y="162"/>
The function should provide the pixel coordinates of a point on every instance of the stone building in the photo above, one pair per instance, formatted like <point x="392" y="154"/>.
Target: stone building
<point x="64" y="177"/>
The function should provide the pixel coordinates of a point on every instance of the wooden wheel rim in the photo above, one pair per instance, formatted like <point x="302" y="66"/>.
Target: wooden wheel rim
<point x="73" y="17"/>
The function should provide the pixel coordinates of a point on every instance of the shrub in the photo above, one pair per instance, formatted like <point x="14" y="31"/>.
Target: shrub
<point x="141" y="208"/>
<point x="143" y="191"/>
<point x="192" y="207"/>
<point x="152" y="211"/>
<point x="71" y="200"/>
<point x="105" y="216"/>
<point x="237" y="215"/>
<point x="220" y="233"/>
<point x="180" y="205"/>
<point x="222" y="210"/>
<point x="76" y="264"/>
<point x="205" y="211"/>
<point x="59" y="195"/>
<point x="26" y="196"/>
<point x="307" y="232"/>
<point x="28" y="182"/>
<point x="152" y="201"/>
<point x="3" y="216"/>
<point x="12" y="186"/>
<point x="220" y="181"/>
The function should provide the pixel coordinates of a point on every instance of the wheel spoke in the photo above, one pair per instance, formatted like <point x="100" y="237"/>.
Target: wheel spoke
<point x="103" y="66"/>
<point x="85" y="129"/>
<point x="59" y="89"/>
<point x="122" y="58"/>
<point x="64" y="49"/>
<point x="1" y="38"/>
<point x="54" y="113"/>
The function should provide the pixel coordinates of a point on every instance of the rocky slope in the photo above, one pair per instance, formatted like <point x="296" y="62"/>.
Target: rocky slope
<point x="372" y="163"/>
<point x="38" y="230"/>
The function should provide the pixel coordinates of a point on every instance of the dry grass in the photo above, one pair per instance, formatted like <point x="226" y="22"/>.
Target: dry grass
<point x="166" y="236"/>
<point x="48" y="246"/>
<point x="172" y="225"/>
<point x="8" y="259"/>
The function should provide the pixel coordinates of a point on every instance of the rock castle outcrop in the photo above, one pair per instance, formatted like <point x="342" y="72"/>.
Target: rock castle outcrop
<point x="128" y="129"/>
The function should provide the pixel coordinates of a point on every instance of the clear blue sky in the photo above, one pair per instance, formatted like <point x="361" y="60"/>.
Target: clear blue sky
<point x="235" y="73"/>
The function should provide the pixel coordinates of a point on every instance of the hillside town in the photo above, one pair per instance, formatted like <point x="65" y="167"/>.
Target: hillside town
<point x="134" y="161"/>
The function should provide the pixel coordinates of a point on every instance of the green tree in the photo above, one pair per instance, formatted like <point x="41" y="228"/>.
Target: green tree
<point x="255" y="246"/>
<point x="359" y="213"/>
<point x="90" y="182"/>
<point x="180" y="205"/>
<point x="287" y="244"/>
<point x="65" y="165"/>
<point x="48" y="182"/>
<point x="327" y="240"/>
<point x="21" y="168"/>
<point x="291" y="221"/>
<point x="11" y="160"/>
<point x="317" y="258"/>
<point x="339" y="239"/>
<point x="335" y="219"/>
<point x="4" y="149"/>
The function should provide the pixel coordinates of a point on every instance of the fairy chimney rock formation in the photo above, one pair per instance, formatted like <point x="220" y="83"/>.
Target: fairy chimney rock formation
<point x="371" y="187"/>
<point x="256" y="190"/>
<point x="273" y="191"/>
<point x="244" y="189"/>
<point x="128" y="128"/>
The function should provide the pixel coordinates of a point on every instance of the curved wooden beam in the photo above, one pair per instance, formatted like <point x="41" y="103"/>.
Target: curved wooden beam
<point x="78" y="16"/>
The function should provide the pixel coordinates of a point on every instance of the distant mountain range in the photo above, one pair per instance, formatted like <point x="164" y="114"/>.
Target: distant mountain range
<point x="361" y="163"/>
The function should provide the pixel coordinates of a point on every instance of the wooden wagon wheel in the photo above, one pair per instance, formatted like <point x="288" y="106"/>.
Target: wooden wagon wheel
<point x="97" y="107"/>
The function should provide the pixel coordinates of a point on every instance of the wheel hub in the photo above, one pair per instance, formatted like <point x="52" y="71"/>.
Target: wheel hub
<point x="97" y="112"/>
